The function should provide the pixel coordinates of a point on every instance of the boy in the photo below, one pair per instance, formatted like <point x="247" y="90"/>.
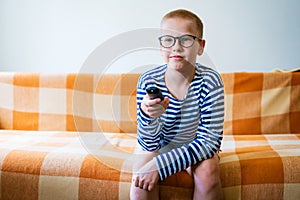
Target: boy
<point x="184" y="130"/>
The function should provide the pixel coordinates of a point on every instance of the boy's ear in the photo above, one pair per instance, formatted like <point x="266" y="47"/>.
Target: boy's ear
<point x="201" y="47"/>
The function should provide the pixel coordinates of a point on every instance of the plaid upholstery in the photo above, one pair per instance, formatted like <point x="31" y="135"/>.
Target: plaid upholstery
<point x="68" y="102"/>
<point x="255" y="102"/>
<point x="71" y="136"/>
<point x="55" y="165"/>
<point x="261" y="166"/>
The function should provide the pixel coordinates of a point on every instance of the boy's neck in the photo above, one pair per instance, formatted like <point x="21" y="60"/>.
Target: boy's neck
<point x="178" y="83"/>
<point x="180" y="77"/>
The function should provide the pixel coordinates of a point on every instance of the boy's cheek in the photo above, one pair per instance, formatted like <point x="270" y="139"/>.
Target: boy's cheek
<point x="164" y="51"/>
<point x="165" y="54"/>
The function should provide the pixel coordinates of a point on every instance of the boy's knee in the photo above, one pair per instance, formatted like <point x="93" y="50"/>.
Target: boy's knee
<point x="135" y="193"/>
<point x="207" y="180"/>
<point x="207" y="173"/>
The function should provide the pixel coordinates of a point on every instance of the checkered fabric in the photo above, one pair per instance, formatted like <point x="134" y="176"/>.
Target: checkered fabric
<point x="68" y="102"/>
<point x="262" y="103"/>
<point x="72" y="136"/>
<point x="73" y="165"/>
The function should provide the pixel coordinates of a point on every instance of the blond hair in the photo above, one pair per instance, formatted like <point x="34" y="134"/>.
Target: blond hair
<point x="185" y="14"/>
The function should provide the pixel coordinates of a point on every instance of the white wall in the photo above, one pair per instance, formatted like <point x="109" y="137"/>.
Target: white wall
<point x="60" y="35"/>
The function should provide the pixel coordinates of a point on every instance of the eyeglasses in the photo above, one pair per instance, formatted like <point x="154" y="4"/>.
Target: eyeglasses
<point x="167" y="41"/>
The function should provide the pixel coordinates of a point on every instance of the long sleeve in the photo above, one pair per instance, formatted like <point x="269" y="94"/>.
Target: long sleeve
<point x="190" y="130"/>
<point x="148" y="134"/>
<point x="208" y="135"/>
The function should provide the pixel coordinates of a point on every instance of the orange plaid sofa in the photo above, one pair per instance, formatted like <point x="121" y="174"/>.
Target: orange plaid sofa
<point x="72" y="136"/>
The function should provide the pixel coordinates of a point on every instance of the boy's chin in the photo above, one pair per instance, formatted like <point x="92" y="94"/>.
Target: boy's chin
<point x="179" y="66"/>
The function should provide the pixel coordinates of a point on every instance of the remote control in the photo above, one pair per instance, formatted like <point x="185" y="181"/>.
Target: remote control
<point x="154" y="93"/>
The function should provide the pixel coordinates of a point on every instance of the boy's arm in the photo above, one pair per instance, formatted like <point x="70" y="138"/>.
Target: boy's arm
<point x="207" y="141"/>
<point x="148" y="129"/>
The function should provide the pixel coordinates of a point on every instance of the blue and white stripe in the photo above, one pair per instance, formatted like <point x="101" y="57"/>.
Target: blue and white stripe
<point x="191" y="129"/>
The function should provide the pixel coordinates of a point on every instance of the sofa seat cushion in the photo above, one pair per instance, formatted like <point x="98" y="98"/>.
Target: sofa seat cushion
<point x="89" y="165"/>
<point x="73" y="165"/>
<point x="261" y="166"/>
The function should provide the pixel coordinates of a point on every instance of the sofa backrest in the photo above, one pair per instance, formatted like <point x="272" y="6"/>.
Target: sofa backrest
<point x="68" y="102"/>
<point x="262" y="103"/>
<point x="255" y="103"/>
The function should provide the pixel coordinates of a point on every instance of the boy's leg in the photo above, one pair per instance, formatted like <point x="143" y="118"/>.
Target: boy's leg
<point x="207" y="182"/>
<point x="139" y="193"/>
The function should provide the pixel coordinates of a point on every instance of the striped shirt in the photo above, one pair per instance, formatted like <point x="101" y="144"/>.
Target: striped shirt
<point x="190" y="130"/>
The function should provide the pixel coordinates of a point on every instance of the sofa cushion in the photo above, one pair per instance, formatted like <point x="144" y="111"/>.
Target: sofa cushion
<point x="254" y="102"/>
<point x="86" y="165"/>
<point x="68" y="102"/>
<point x="261" y="103"/>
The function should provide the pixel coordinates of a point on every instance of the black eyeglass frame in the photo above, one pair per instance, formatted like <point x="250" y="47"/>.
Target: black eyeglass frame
<point x="179" y="37"/>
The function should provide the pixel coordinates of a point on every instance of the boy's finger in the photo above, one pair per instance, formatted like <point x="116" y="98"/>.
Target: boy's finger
<point x="136" y="181"/>
<point x="151" y="102"/>
<point x="165" y="102"/>
<point x="145" y="186"/>
<point x="150" y="187"/>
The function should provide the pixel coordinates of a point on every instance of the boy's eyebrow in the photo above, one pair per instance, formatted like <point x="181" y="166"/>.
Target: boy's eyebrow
<point x="180" y="35"/>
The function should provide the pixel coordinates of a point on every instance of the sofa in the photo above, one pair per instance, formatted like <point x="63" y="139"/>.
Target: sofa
<point x="73" y="136"/>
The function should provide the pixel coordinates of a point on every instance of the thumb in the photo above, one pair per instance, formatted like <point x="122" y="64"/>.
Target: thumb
<point x="165" y="103"/>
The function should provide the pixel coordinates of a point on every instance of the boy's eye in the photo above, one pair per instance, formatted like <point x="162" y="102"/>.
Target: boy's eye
<point x="185" y="39"/>
<point x="168" y="39"/>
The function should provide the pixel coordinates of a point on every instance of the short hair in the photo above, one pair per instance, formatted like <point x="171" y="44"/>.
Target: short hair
<point x="185" y="14"/>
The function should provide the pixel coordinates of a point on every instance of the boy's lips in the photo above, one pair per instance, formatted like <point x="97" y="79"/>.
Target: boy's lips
<point x="176" y="57"/>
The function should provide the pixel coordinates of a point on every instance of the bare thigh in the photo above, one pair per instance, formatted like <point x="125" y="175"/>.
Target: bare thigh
<point x="204" y="165"/>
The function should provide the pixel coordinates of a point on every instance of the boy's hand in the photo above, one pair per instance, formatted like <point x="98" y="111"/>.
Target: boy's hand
<point x="154" y="107"/>
<point x="147" y="176"/>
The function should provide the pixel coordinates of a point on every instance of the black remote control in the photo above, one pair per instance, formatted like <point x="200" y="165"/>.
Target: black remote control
<point x="154" y="93"/>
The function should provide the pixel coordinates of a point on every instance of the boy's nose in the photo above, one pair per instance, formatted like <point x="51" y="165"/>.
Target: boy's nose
<point x="177" y="44"/>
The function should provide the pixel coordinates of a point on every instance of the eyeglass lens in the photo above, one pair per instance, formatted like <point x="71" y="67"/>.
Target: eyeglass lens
<point x="168" y="41"/>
